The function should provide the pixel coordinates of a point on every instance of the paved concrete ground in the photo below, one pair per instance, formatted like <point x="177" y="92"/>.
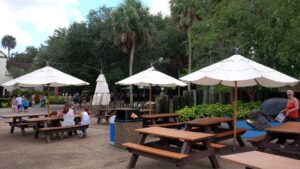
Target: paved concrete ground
<point x="93" y="152"/>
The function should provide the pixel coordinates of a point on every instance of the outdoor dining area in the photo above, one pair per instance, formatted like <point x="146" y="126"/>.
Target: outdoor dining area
<point x="208" y="142"/>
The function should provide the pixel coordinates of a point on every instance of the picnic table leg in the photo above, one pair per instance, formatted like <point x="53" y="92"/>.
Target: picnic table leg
<point x="212" y="158"/>
<point x="134" y="157"/>
<point x="99" y="117"/>
<point x="176" y="119"/>
<point x="12" y="126"/>
<point x="153" y="121"/>
<point x="48" y="136"/>
<point x="23" y="131"/>
<point x="186" y="148"/>
<point x="238" y="138"/>
<point x="264" y="144"/>
<point x="37" y="128"/>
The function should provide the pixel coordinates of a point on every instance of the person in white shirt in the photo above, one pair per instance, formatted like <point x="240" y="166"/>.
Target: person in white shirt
<point x="85" y="120"/>
<point x="19" y="100"/>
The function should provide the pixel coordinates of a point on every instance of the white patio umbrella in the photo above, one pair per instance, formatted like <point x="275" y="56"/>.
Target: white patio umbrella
<point x="102" y="95"/>
<point x="238" y="71"/>
<point x="46" y="76"/>
<point x="151" y="77"/>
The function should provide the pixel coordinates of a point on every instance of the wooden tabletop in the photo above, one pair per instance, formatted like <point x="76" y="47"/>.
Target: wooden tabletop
<point x="260" y="160"/>
<point x="42" y="119"/>
<point x="18" y="115"/>
<point x="163" y="115"/>
<point x="209" y="121"/>
<point x="289" y="127"/>
<point x="175" y="134"/>
<point x="145" y="110"/>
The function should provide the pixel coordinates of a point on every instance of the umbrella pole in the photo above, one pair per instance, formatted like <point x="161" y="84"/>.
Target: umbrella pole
<point x="234" y="115"/>
<point x="150" y="95"/>
<point x="48" y="100"/>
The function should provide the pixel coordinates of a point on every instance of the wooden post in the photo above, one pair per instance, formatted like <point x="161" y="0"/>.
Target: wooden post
<point x="48" y="100"/>
<point x="150" y="95"/>
<point x="234" y="116"/>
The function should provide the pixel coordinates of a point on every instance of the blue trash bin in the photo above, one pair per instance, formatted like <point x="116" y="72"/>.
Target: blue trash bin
<point x="112" y="129"/>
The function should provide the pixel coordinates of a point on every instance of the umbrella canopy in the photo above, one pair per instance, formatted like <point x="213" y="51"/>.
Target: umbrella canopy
<point x="238" y="68"/>
<point x="151" y="77"/>
<point x="238" y="71"/>
<point x="101" y="96"/>
<point x="46" y="76"/>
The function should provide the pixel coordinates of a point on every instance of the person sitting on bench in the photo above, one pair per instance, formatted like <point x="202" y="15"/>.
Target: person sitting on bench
<point x="68" y="116"/>
<point x="85" y="120"/>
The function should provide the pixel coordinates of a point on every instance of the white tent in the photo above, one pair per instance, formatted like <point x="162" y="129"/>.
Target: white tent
<point x="101" y="96"/>
<point x="46" y="76"/>
<point x="151" y="77"/>
<point x="238" y="71"/>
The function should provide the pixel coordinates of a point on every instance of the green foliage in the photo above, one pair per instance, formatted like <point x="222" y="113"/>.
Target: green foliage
<point x="266" y="31"/>
<point x="217" y="110"/>
<point x="4" y="102"/>
<point x="57" y="100"/>
<point x="8" y="42"/>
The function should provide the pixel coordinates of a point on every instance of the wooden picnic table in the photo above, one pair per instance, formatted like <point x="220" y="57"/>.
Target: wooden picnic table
<point x="160" y="119"/>
<point x="45" y="120"/>
<point x="212" y="125"/>
<point x="261" y="160"/>
<point x="105" y="113"/>
<point x="286" y="131"/>
<point x="18" y="120"/>
<point x="146" y="111"/>
<point x="164" y="150"/>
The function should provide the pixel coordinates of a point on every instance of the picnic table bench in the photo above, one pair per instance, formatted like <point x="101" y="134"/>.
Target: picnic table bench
<point x="19" y="121"/>
<point x="52" y="130"/>
<point x="261" y="160"/>
<point x="212" y="125"/>
<point x="42" y="122"/>
<point x="165" y="150"/>
<point x="169" y="120"/>
<point x="276" y="138"/>
<point x="256" y="141"/>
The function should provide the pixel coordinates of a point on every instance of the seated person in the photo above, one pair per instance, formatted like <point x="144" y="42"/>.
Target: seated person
<point x="68" y="116"/>
<point x="85" y="119"/>
<point x="53" y="123"/>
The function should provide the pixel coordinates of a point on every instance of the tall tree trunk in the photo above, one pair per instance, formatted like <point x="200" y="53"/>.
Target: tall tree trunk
<point x="212" y="88"/>
<point x="8" y="52"/>
<point x="130" y="71"/>
<point x="178" y="74"/>
<point x="190" y="55"/>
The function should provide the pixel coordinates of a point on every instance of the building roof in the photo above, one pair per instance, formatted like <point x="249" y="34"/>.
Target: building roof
<point x="2" y="55"/>
<point x="22" y="65"/>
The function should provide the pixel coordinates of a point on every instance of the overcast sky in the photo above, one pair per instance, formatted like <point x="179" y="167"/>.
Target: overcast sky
<point x="32" y="21"/>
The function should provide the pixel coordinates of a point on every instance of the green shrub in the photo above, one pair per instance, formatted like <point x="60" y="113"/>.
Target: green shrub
<point x="4" y="102"/>
<point x="5" y="105"/>
<point x="217" y="110"/>
<point x="56" y="100"/>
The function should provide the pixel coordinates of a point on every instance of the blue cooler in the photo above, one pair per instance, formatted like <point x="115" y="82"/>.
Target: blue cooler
<point x="112" y="129"/>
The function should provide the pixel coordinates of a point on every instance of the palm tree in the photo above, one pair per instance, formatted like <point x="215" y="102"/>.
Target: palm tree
<point x="8" y="42"/>
<point x="132" y="29"/>
<point x="185" y="13"/>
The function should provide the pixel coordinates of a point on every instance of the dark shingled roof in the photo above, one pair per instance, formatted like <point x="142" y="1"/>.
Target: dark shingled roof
<point x="22" y="65"/>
